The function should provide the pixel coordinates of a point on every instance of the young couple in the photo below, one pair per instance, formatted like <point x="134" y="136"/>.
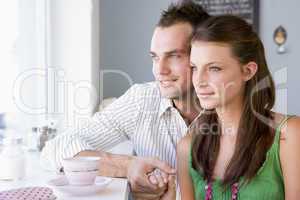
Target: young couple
<point x="237" y="148"/>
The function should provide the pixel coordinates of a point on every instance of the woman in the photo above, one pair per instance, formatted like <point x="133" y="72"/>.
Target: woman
<point x="233" y="149"/>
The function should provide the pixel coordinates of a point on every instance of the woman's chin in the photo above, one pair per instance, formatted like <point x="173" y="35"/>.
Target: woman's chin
<point x="208" y="106"/>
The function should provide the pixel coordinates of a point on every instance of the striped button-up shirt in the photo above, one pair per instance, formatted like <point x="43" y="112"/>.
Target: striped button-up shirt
<point x="141" y="115"/>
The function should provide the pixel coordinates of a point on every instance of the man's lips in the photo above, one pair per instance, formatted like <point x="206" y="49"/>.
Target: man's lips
<point x="166" y="82"/>
<point x="167" y="79"/>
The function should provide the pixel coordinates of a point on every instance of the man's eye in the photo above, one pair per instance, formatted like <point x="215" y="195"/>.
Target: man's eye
<point x="154" y="58"/>
<point x="175" y="56"/>
<point x="193" y="67"/>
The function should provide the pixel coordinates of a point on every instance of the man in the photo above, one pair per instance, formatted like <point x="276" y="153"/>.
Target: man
<point x="153" y="116"/>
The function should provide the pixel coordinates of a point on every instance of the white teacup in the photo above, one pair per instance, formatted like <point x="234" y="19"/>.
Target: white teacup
<point x="81" y="170"/>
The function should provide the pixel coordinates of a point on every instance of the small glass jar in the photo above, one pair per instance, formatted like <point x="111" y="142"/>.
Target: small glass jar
<point x="32" y="139"/>
<point x="12" y="159"/>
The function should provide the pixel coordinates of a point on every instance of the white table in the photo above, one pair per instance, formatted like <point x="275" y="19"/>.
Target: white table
<point x="36" y="176"/>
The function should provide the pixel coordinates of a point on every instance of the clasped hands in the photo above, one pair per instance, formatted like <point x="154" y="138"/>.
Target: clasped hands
<point x="151" y="179"/>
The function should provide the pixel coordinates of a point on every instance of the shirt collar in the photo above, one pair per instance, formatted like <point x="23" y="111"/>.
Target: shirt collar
<point x="165" y="104"/>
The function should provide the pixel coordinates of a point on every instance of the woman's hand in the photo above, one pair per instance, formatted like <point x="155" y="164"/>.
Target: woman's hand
<point x="171" y="191"/>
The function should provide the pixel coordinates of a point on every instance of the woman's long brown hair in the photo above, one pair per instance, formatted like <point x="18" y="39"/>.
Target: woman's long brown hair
<point x="255" y="136"/>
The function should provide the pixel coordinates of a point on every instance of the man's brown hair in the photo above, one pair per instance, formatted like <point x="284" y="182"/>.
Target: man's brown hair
<point x="185" y="12"/>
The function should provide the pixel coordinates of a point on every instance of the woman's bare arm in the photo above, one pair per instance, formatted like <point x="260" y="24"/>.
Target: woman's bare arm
<point x="184" y="178"/>
<point x="290" y="158"/>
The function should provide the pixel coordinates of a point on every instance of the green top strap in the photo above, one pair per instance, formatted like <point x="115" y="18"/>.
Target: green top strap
<point x="281" y="124"/>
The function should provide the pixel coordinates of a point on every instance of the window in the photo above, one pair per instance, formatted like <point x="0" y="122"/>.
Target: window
<point x="22" y="49"/>
<point x="8" y="39"/>
<point x="49" y="61"/>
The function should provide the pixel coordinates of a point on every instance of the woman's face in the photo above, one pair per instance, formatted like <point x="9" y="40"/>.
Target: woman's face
<point x="218" y="77"/>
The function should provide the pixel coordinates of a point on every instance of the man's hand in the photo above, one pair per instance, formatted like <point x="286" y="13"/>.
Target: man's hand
<point x="148" y="177"/>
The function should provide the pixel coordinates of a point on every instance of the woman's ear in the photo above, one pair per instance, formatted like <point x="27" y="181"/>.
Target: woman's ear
<point x="249" y="70"/>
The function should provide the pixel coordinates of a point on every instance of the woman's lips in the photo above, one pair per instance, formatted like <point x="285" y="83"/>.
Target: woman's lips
<point x="205" y="94"/>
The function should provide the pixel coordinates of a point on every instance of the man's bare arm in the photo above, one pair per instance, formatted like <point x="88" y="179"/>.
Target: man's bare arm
<point x="112" y="165"/>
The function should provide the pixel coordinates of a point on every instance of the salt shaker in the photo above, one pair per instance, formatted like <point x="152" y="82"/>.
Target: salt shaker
<point x="45" y="134"/>
<point x="43" y="137"/>
<point x="12" y="159"/>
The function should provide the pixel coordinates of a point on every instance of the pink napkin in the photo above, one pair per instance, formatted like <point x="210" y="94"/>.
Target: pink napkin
<point x="28" y="193"/>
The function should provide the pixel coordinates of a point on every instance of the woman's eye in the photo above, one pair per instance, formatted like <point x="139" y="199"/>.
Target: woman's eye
<point x="214" y="68"/>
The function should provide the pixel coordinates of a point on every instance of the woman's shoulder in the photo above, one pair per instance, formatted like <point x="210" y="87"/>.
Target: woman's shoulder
<point x="287" y="123"/>
<point x="289" y="126"/>
<point x="291" y="129"/>
<point x="289" y="155"/>
<point x="186" y="140"/>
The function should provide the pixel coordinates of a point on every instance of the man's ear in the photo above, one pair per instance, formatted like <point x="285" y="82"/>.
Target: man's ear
<point x="249" y="70"/>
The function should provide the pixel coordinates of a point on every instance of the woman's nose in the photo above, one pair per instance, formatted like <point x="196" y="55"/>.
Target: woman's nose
<point x="200" y="79"/>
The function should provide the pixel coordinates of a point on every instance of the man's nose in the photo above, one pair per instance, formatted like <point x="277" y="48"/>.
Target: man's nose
<point x="162" y="67"/>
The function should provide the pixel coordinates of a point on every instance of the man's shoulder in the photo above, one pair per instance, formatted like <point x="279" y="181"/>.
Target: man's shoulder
<point x="148" y="89"/>
<point x="147" y="96"/>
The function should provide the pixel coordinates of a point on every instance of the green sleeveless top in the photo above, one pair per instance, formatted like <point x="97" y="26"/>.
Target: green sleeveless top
<point x="267" y="184"/>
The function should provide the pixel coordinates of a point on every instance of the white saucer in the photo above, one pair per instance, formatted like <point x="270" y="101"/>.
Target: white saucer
<point x="61" y="184"/>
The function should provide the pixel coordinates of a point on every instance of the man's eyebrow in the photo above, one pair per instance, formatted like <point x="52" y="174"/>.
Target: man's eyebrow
<point x="180" y="51"/>
<point x="152" y="53"/>
<point x="176" y="51"/>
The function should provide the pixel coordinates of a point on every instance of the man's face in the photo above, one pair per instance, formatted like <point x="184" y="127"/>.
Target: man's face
<point x="170" y="48"/>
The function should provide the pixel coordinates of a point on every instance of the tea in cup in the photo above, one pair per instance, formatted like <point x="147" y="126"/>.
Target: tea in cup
<point x="81" y="170"/>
